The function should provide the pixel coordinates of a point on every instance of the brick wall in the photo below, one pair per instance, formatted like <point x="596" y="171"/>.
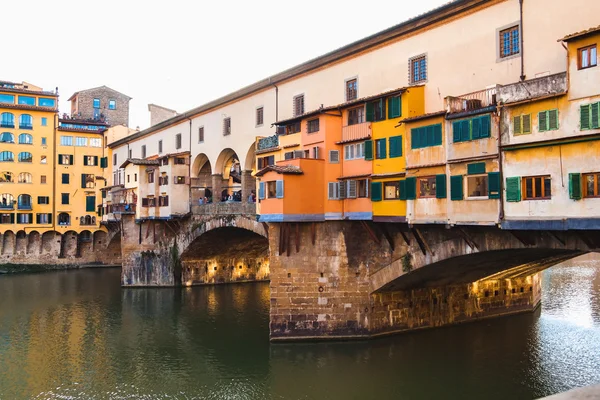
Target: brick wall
<point x="118" y="116"/>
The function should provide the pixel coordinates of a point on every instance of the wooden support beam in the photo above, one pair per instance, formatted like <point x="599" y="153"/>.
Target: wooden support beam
<point x="287" y="240"/>
<point x="555" y="236"/>
<point x="387" y="235"/>
<point x="153" y="231"/>
<point x="313" y="232"/>
<point x="525" y="240"/>
<point x="370" y="231"/>
<point x="281" y="237"/>
<point x="266" y="228"/>
<point x="297" y="237"/>
<point x="148" y="229"/>
<point x="467" y="238"/>
<point x="587" y="239"/>
<point x="171" y="229"/>
<point x="421" y="241"/>
<point x="405" y="237"/>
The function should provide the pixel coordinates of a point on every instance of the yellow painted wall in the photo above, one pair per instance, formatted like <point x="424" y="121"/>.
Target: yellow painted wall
<point x="584" y="82"/>
<point x="428" y="155"/>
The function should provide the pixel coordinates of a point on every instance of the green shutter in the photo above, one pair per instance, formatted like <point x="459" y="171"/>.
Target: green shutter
<point x="440" y="186"/>
<point x="382" y="105"/>
<point x="370" y="112"/>
<point x="584" y="117"/>
<point x="71" y="159"/>
<point x="430" y="139"/>
<point x="527" y="123"/>
<point x="368" y="150"/>
<point x="382" y="146"/>
<point x="415" y="138"/>
<point x="395" y="146"/>
<point x="517" y="125"/>
<point x="103" y="162"/>
<point x="65" y="179"/>
<point x="595" y="115"/>
<point x="465" y="130"/>
<point x="476" y="128"/>
<point x="476" y="168"/>
<point x="376" y="190"/>
<point x="104" y="194"/>
<point x="49" y="218"/>
<point x="575" y="186"/>
<point x="85" y="160"/>
<point x="90" y="203"/>
<point x="494" y="185"/>
<point x="394" y="107"/>
<point x="456" y="137"/>
<point x="513" y="189"/>
<point x="37" y="218"/>
<point x="437" y="135"/>
<point x="543" y="121"/>
<point x="411" y="188"/>
<point x="83" y="181"/>
<point x="486" y="126"/>
<point x="456" y="187"/>
<point x="12" y="218"/>
<point x="95" y="160"/>
<point x="553" y="120"/>
<point x="403" y="190"/>
<point x="30" y="218"/>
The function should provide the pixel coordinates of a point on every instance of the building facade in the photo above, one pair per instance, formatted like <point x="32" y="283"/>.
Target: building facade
<point x="101" y="104"/>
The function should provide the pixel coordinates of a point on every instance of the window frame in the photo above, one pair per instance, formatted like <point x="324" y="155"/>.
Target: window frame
<point x="310" y="125"/>
<point x="260" y="116"/>
<point x="391" y="183"/>
<point x="585" y="193"/>
<point x="360" y="116"/>
<point x="524" y="180"/>
<point x="112" y="104"/>
<point x="416" y="60"/>
<point x="589" y="56"/>
<point x="428" y="177"/>
<point x="349" y="92"/>
<point x="486" y="185"/>
<point x="511" y="29"/>
<point x="94" y="103"/>
<point x="268" y="186"/>
<point x="226" y="126"/>
<point x="178" y="141"/>
<point x="298" y="105"/>
<point x="200" y="136"/>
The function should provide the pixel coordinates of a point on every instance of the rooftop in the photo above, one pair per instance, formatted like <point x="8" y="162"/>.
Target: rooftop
<point x="281" y="169"/>
<point x="139" y="161"/>
<point x="581" y="34"/>
<point x="95" y="88"/>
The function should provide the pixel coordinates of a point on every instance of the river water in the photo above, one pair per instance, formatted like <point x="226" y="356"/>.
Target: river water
<point x="78" y="335"/>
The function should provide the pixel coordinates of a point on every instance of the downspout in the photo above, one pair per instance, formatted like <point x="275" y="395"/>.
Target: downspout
<point x="276" y="101"/>
<point x="54" y="178"/>
<point x="522" y="41"/>
<point x="567" y="66"/>
<point x="190" y="170"/>
<point x="500" y="170"/>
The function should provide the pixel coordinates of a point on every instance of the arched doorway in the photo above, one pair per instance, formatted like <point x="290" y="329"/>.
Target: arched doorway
<point x="201" y="180"/>
<point x="227" y="185"/>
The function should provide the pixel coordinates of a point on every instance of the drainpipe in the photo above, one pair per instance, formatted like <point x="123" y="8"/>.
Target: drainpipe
<point x="500" y="170"/>
<point x="276" y="100"/>
<point x="521" y="36"/>
<point x="190" y="170"/>
<point x="567" y="69"/>
<point x="54" y="178"/>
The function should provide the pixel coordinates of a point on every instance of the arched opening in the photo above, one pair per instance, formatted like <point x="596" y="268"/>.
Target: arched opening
<point x="6" y="177"/>
<point x="64" y="219"/>
<point x="25" y="121"/>
<point x="7" y="137"/>
<point x="21" y="243"/>
<point x="25" y="157"/>
<point x="248" y="175"/>
<point x="50" y="243"/>
<point x="7" y="156"/>
<point x="69" y="244"/>
<point x="34" y="242"/>
<point x="7" y="120"/>
<point x="7" y="201"/>
<point x="100" y="240"/>
<point x="85" y="243"/>
<point x="201" y="180"/>
<point x="24" y="202"/>
<point x="24" y="177"/>
<point x="211" y="256"/>
<point x="8" y="243"/>
<point x="25" y="138"/>
<point x="228" y="167"/>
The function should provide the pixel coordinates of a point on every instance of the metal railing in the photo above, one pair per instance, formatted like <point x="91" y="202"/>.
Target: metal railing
<point x="121" y="208"/>
<point x="472" y="101"/>
<point x="356" y="131"/>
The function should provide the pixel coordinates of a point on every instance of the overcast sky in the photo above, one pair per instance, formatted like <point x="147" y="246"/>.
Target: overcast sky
<point x="179" y="54"/>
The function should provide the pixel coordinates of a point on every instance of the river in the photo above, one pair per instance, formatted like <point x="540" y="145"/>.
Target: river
<point x="79" y="335"/>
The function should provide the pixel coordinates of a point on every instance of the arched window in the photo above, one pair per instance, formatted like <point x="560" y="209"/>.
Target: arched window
<point x="24" y="177"/>
<point x="25" y="121"/>
<point x="7" y="156"/>
<point x="6" y="177"/>
<point x="64" y="219"/>
<point x="6" y="200"/>
<point x="24" y="202"/>
<point x="7" y="120"/>
<point x="25" y="138"/>
<point x="87" y="220"/>
<point x="25" y="156"/>
<point x="7" y="137"/>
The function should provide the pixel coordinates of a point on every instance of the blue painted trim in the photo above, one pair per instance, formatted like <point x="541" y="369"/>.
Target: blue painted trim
<point x="333" y="216"/>
<point x="358" y="216"/>
<point x="553" y="225"/>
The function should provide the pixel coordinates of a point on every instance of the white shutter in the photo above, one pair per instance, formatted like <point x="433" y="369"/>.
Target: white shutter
<point x="342" y="189"/>
<point x="351" y="189"/>
<point x="334" y="156"/>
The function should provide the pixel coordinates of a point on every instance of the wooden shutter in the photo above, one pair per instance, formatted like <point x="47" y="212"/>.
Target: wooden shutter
<point x="49" y="218"/>
<point x="415" y="139"/>
<point x="527" y="123"/>
<point x="476" y="128"/>
<point x="71" y="159"/>
<point x="12" y="218"/>
<point x="517" y="125"/>
<point x="382" y="106"/>
<point x="90" y="203"/>
<point x="575" y="186"/>
<point x="382" y="148"/>
<point x="37" y="218"/>
<point x="437" y="135"/>
<point x="465" y="130"/>
<point x="376" y="191"/>
<point x="351" y="189"/>
<point x="456" y="136"/>
<point x="584" y="117"/>
<point x="144" y="202"/>
<point x="261" y="190"/>
<point x="395" y="146"/>
<point x="85" y="160"/>
<point x="486" y="126"/>
<point x="440" y="186"/>
<point x="83" y="180"/>
<point x="30" y="218"/>
<point x="411" y="188"/>
<point x="456" y="187"/>
<point x="513" y="189"/>
<point x="494" y="185"/>
<point x="370" y="112"/>
<point x="95" y="160"/>
<point x="595" y="115"/>
<point x="543" y="121"/>
<point x="368" y="150"/>
<point x="342" y="190"/>
<point x="553" y="120"/>
<point x="476" y="168"/>
<point x="402" y="185"/>
<point x="394" y="107"/>
<point x="104" y="162"/>
<point x="279" y="189"/>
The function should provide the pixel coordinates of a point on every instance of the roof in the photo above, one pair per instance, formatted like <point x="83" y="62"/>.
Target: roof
<point x="95" y="88"/>
<point x="27" y="107"/>
<point x="578" y="35"/>
<point x="139" y="161"/>
<point x="27" y="91"/>
<point x="281" y="169"/>
<point x="425" y="116"/>
<point x="161" y="107"/>
<point x="112" y="186"/>
<point x="442" y="13"/>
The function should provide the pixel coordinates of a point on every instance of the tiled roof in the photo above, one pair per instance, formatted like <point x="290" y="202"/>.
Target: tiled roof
<point x="425" y="116"/>
<point x="341" y="178"/>
<point x="281" y="169"/>
<point x="26" y="107"/>
<point x="577" y="35"/>
<point x="269" y="150"/>
<point x="287" y="146"/>
<point x="98" y="87"/>
<point x="111" y="187"/>
<point x="27" y="91"/>
<point x="139" y="161"/>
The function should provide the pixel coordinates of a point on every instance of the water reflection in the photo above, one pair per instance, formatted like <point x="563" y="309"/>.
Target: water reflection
<point x="78" y="335"/>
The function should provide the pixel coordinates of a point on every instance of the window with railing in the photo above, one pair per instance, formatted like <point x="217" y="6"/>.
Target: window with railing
<point x="298" y="105"/>
<point x="25" y="121"/>
<point x="356" y="115"/>
<point x="260" y="112"/>
<point x="25" y="138"/>
<point x="418" y="69"/>
<point x="312" y="126"/>
<point x="24" y="202"/>
<point x="25" y="157"/>
<point x="64" y="219"/>
<point x="7" y="137"/>
<point x="7" y="120"/>
<point x="6" y="156"/>
<point x="24" y="177"/>
<point x="7" y="201"/>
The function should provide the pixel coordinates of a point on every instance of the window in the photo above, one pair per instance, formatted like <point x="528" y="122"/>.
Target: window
<point x="112" y="104"/>
<point x="180" y="180"/>
<point x="87" y="181"/>
<point x="6" y="177"/>
<point x="96" y="142"/>
<point x="509" y="41"/>
<point x="115" y="158"/>
<point x="65" y="179"/>
<point x="24" y="218"/>
<point x="312" y="125"/>
<point x="333" y="191"/>
<point x="42" y="102"/>
<point x="426" y="187"/>
<point x="24" y="177"/>
<point x="7" y="120"/>
<point x="522" y="124"/>
<point x="43" y="200"/>
<point x="7" y="218"/>
<point x="25" y="138"/>
<point x="27" y="100"/>
<point x="292" y="128"/>
<point x="179" y="161"/>
<point x="163" y="201"/>
<point x="264" y="162"/>
<point x="7" y="137"/>
<point x="426" y="136"/>
<point x="81" y="141"/>
<point x="477" y="186"/>
<point x="65" y="159"/>
<point x="44" y="121"/>
<point x="24" y="202"/>
<point x="43" y="218"/>
<point x="418" y="69"/>
<point x="90" y="160"/>
<point x="590" y="116"/>
<point x="394" y="107"/>
<point x="471" y="129"/>
<point x="537" y="187"/>
<point x="361" y="188"/>
<point x="200" y="137"/>
<point x="588" y="57"/>
<point x="44" y="141"/>
<point x="150" y="176"/>
<point x="298" y="105"/>
<point x="356" y="116"/>
<point x="6" y="156"/>
<point x="130" y="153"/>
<point x="395" y="146"/>
<point x="226" y="126"/>
<point x="160" y="145"/>
<point x="96" y="103"/>
<point x="271" y="189"/>
<point x="591" y="185"/>
<point x="259" y="116"/>
<point x="128" y="178"/>
<point x="42" y="179"/>
<point x="391" y="190"/>
<point x="548" y="120"/>
<point x="6" y="200"/>
<point x="7" y="98"/>
<point x="376" y="110"/>
<point x="25" y="121"/>
<point x="25" y="157"/>
<point x="66" y="140"/>
<point x="64" y="218"/>
<point x="351" y="89"/>
<point x="143" y="151"/>
<point x="334" y="156"/>
<point x="43" y="160"/>
<point x="380" y="149"/>
<point x="135" y="177"/>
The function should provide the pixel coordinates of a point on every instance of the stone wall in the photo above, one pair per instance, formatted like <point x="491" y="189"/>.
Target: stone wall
<point x="159" y="114"/>
<point x="118" y="116"/>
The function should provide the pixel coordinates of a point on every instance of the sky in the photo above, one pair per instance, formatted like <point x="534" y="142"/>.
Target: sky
<point x="179" y="54"/>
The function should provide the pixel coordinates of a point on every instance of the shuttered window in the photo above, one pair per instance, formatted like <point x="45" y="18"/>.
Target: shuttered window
<point x="369" y="150"/>
<point x="279" y="189"/>
<point x="590" y="116"/>
<point x="494" y="185"/>
<point x="522" y="124"/>
<point x="471" y="129"/>
<point x="334" y="156"/>
<point x="381" y="149"/>
<point x="426" y="136"/>
<point x="376" y="191"/>
<point x="333" y="192"/>
<point x="591" y="185"/>
<point x="395" y="146"/>
<point x="575" y="186"/>
<point x="90" y="203"/>
<point x="104" y="162"/>
<point x="548" y="120"/>
<point x="456" y="187"/>
<point x="261" y="191"/>
<point x="376" y="110"/>
<point x="476" y="168"/>
<point x="394" y="107"/>
<point x="411" y="188"/>
<point x="440" y="186"/>
<point x="513" y="189"/>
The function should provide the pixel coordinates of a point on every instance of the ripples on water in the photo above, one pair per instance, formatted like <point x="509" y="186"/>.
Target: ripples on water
<point x="78" y="335"/>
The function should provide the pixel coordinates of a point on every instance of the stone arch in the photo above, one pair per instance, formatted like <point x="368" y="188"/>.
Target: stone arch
<point x="21" y="242"/>
<point x="69" y="244"/>
<point x="9" y="242"/>
<point x="228" y="169"/>
<point x="201" y="179"/>
<point x="50" y="242"/>
<point x="250" y="161"/>
<point x="100" y="240"/>
<point x="201" y="163"/>
<point x="226" y="159"/>
<point x="86" y="242"/>
<point x="112" y="248"/>
<point x="34" y="242"/>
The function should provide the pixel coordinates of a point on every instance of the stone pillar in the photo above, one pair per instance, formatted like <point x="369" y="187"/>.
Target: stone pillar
<point x="248" y="185"/>
<point x="217" y="187"/>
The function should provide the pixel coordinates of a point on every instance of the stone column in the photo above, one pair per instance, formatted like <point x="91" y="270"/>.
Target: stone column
<point x="248" y="185"/>
<point x="217" y="187"/>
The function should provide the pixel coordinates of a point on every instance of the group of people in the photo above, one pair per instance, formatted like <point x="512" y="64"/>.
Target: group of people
<point x="226" y="196"/>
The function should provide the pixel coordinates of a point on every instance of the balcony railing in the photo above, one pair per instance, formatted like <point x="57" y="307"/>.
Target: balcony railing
<point x="356" y="132"/>
<point x="472" y="101"/>
<point x="121" y="208"/>
<point x="25" y="126"/>
<point x="7" y="125"/>
<point x="24" y="206"/>
<point x="534" y="88"/>
<point x="267" y="143"/>
<point x="7" y="206"/>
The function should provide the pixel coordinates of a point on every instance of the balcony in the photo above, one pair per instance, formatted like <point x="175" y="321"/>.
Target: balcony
<point x="356" y="132"/>
<point x="472" y="101"/>
<point x="225" y="208"/>
<point x="126" y="208"/>
<point x="26" y="126"/>
<point x="545" y="86"/>
<point x="7" y="125"/>
<point x="10" y="206"/>
<point x="267" y="143"/>
<point x="24" y="206"/>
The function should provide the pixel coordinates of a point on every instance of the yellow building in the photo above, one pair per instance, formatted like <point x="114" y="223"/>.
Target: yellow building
<point x="27" y="122"/>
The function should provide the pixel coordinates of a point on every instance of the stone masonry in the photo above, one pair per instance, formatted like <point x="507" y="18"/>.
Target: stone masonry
<point x="85" y="105"/>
